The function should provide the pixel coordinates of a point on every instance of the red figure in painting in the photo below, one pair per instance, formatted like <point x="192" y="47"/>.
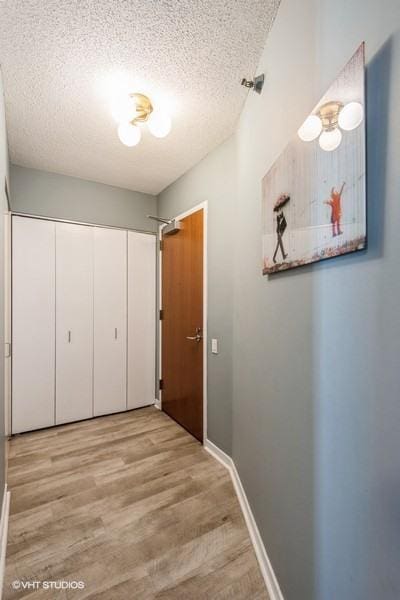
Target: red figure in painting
<point x="335" y="202"/>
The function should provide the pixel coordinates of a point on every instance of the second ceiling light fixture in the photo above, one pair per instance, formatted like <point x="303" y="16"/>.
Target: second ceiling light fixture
<point x="327" y="123"/>
<point x="133" y="110"/>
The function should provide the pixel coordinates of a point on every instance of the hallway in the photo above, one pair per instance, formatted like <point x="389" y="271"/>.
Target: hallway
<point x="131" y="505"/>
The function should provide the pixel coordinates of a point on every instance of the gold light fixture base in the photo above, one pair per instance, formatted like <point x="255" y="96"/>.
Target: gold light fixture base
<point x="329" y="115"/>
<point x="144" y="108"/>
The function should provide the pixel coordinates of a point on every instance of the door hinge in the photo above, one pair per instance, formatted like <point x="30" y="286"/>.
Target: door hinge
<point x="161" y="314"/>
<point x="161" y="245"/>
<point x="161" y="384"/>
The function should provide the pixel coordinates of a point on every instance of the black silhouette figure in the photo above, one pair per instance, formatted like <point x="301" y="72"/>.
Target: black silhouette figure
<point x="281" y="225"/>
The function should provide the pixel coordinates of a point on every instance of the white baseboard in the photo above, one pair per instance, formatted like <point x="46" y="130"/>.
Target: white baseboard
<point x="5" y="510"/>
<point x="157" y="403"/>
<point x="267" y="572"/>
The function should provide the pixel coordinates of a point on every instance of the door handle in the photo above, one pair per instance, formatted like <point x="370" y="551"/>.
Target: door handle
<point x="69" y="337"/>
<point x="116" y="333"/>
<point x="196" y="338"/>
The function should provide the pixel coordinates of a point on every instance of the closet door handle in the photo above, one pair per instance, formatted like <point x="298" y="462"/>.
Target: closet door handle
<point x="116" y="333"/>
<point x="69" y="337"/>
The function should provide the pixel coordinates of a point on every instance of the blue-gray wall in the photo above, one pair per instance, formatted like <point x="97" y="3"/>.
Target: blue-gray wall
<point x="60" y="196"/>
<point x="314" y="396"/>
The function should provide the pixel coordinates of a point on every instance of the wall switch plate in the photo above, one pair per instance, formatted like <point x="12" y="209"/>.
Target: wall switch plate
<point x="214" y="346"/>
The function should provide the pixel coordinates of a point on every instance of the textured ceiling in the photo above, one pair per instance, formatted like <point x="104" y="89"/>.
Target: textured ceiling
<point x="63" y="59"/>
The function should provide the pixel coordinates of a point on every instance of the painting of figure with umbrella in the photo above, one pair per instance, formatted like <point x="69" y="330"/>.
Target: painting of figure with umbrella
<point x="313" y="196"/>
<point x="281" y="225"/>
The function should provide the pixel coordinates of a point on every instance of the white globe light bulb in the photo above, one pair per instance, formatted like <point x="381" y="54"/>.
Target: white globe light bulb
<point x="330" y="140"/>
<point x="351" y="116"/>
<point x="159" y="123"/>
<point x="310" y="129"/>
<point x="123" y="109"/>
<point x="129" y="134"/>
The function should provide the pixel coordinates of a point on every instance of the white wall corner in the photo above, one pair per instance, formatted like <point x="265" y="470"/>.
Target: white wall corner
<point x="5" y="511"/>
<point x="267" y="572"/>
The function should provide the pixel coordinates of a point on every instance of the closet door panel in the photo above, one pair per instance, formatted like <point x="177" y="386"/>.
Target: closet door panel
<point x="33" y="324"/>
<point x="74" y="322"/>
<point x="110" y="320"/>
<point x="141" y="319"/>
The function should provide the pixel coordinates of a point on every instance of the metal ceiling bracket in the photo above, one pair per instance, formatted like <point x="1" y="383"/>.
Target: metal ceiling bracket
<point x="259" y="83"/>
<point x="255" y="84"/>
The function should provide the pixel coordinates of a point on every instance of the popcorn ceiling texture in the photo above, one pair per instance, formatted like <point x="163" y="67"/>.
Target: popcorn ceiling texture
<point x="62" y="59"/>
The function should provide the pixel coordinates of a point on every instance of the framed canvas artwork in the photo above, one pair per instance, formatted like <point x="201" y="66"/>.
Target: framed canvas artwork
<point x="314" y="196"/>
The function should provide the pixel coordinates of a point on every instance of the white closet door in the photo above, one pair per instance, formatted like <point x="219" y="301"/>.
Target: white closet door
<point x="110" y="290"/>
<point x="74" y="322"/>
<point x="33" y="324"/>
<point x="141" y="319"/>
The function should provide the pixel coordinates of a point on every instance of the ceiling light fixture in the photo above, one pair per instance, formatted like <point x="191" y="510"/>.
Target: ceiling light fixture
<point x="327" y="123"/>
<point x="131" y="111"/>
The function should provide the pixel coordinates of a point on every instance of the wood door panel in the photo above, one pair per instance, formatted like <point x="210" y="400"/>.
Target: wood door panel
<point x="182" y="304"/>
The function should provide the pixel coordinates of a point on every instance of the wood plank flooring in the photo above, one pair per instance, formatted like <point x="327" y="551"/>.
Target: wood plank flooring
<point x="131" y="505"/>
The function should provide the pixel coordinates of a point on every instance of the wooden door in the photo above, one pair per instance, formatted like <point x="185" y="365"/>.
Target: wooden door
<point x="110" y="288"/>
<point x="74" y="322"/>
<point x="182" y="324"/>
<point x="141" y="319"/>
<point x="33" y="324"/>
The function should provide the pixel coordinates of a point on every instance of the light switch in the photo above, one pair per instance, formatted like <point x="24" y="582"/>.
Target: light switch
<point x="214" y="346"/>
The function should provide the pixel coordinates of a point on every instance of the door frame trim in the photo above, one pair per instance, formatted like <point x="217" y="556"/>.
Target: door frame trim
<point x="7" y="220"/>
<point x="202" y="206"/>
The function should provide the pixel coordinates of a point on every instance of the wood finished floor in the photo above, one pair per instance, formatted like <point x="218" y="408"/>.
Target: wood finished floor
<point x="131" y="505"/>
